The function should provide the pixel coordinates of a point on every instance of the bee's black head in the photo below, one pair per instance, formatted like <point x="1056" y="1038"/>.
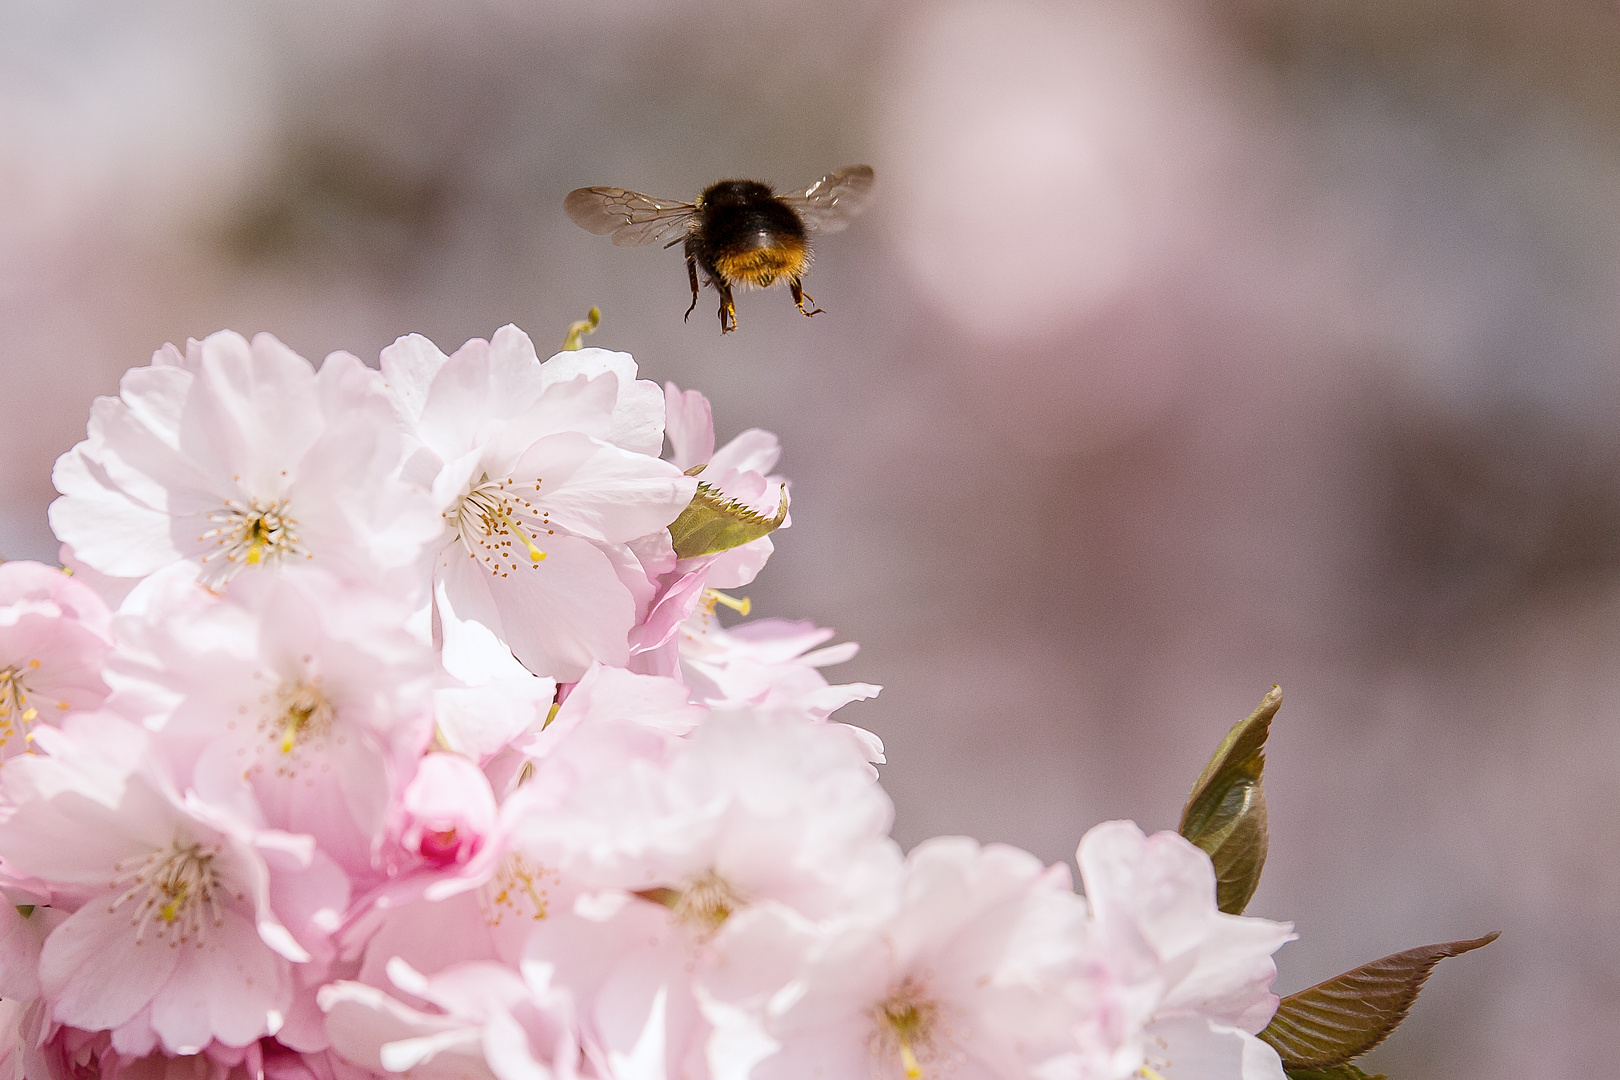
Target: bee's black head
<point x="737" y="193"/>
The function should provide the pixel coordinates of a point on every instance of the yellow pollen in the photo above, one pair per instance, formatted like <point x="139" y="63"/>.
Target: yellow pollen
<point x="712" y="597"/>
<point x="1149" y="1073"/>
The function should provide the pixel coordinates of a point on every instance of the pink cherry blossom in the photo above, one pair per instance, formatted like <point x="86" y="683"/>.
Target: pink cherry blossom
<point x="300" y="702"/>
<point x="234" y="456"/>
<point x="546" y="477"/>
<point x="1198" y="979"/>
<point x="967" y="973"/>
<point x="767" y="663"/>
<point x="53" y="639"/>
<point x="172" y="937"/>
<point x="483" y="1021"/>
<point x="745" y="811"/>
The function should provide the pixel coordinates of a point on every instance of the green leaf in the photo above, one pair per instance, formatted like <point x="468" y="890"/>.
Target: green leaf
<point x="1334" y="1072"/>
<point x="1343" y="1018"/>
<point x="714" y="523"/>
<point x="1226" y="812"/>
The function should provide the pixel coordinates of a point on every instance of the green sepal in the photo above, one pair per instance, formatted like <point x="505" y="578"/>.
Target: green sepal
<point x="1226" y="812"/>
<point x="1343" y="1018"/>
<point x="714" y="523"/>
<point x="1334" y="1072"/>
<point x="25" y="910"/>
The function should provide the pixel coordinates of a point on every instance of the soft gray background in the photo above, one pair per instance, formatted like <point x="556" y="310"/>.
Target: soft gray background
<point x="1187" y="348"/>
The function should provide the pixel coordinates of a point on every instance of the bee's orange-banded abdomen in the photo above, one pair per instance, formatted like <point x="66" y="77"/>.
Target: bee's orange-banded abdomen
<point x="782" y="257"/>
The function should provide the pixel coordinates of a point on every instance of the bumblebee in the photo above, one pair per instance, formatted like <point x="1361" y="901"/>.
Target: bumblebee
<point x="739" y="232"/>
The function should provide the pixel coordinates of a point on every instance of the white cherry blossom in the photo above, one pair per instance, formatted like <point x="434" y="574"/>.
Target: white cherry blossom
<point x="234" y="456"/>
<point x="547" y="478"/>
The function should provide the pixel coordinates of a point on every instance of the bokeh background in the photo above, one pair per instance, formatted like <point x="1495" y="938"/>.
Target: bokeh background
<point x="1188" y="347"/>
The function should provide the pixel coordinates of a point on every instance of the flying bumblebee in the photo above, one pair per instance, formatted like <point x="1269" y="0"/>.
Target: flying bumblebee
<point x="739" y="231"/>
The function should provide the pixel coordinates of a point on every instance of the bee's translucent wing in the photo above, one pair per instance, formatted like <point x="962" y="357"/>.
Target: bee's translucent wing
<point x="633" y="218"/>
<point x="830" y="203"/>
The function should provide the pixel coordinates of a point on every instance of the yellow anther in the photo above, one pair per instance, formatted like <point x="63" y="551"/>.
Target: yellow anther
<point x="29" y="715"/>
<point x="715" y="596"/>
<point x="1148" y="1073"/>
<point x="909" y="1060"/>
<point x="253" y="554"/>
<point x="33" y="665"/>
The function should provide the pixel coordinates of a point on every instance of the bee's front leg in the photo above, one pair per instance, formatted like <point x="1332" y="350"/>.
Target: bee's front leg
<point x="802" y="298"/>
<point x="691" y="272"/>
<point x="728" y="310"/>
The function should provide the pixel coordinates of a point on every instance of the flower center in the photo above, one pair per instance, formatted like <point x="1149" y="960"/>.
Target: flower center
<point x="249" y="535"/>
<point x="518" y="888"/>
<point x="175" y="892"/>
<point x="705" y="903"/>
<point x="496" y="524"/>
<point x="906" y="1025"/>
<point x="302" y="714"/>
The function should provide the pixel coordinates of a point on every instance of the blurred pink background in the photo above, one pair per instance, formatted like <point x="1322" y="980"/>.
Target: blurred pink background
<point x="1188" y="347"/>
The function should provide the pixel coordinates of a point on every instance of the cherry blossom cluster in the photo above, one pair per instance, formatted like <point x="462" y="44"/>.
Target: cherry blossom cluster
<point x="381" y="723"/>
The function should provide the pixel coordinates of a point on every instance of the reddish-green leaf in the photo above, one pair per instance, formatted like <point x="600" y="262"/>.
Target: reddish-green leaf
<point x="1334" y="1072"/>
<point x="1343" y="1018"/>
<point x="1226" y="812"/>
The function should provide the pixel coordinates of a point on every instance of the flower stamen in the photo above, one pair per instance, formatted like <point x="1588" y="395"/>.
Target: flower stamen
<point x="248" y="535"/>
<point x="517" y="883"/>
<point x="906" y="1024"/>
<point x="175" y="890"/>
<point x="711" y="597"/>
<point x="705" y="902"/>
<point x="19" y="702"/>
<point x="304" y="713"/>
<point x="487" y="523"/>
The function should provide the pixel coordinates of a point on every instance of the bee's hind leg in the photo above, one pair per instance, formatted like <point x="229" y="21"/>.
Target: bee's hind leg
<point x="728" y="309"/>
<point x="691" y="272"/>
<point x="802" y="298"/>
